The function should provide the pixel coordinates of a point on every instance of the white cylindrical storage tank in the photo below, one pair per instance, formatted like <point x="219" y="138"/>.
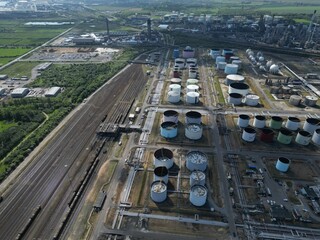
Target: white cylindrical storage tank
<point x="170" y="116"/>
<point x="241" y="88"/>
<point x="198" y="195"/>
<point x="316" y="137"/>
<point x="169" y="129"/>
<point x="248" y="134"/>
<point x="175" y="88"/>
<point x="192" y="73"/>
<point x="193" y="117"/>
<point x="303" y="138"/>
<point x="197" y="178"/>
<point x="158" y="191"/>
<point x="192" y="97"/>
<point x="235" y="99"/>
<point x="196" y="161"/>
<point x="175" y="81"/>
<point x="311" y="101"/>
<point x="188" y="53"/>
<point x="161" y="174"/>
<point x="179" y="62"/>
<point x="295" y="100"/>
<point x="192" y="88"/>
<point x="311" y="124"/>
<point x="163" y="157"/>
<point x="234" y="78"/>
<point x="227" y="51"/>
<point x="173" y="97"/>
<point x="293" y="123"/>
<point x="192" y="81"/>
<point x="231" y="69"/>
<point x="243" y="121"/>
<point x="234" y="58"/>
<point x="220" y="59"/>
<point x="259" y="121"/>
<point x="193" y="131"/>
<point x="283" y="164"/>
<point x="221" y="65"/>
<point x="214" y="53"/>
<point x="237" y="62"/>
<point x="191" y="61"/>
<point x="251" y="100"/>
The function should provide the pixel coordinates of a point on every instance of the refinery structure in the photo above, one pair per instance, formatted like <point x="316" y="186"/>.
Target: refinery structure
<point x="187" y="141"/>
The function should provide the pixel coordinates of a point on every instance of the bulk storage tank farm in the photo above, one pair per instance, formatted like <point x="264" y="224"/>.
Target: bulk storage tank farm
<point x="243" y="120"/>
<point x="197" y="178"/>
<point x="196" y="161"/>
<point x="283" y="164"/>
<point x="170" y="116"/>
<point x="193" y="131"/>
<point x="248" y="134"/>
<point x="173" y="97"/>
<point x="163" y="157"/>
<point x="303" y="138"/>
<point x="293" y="123"/>
<point x="192" y="97"/>
<point x="193" y="117"/>
<point x="169" y="129"/>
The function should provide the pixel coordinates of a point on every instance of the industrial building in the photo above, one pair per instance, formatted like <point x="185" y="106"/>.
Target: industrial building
<point x="52" y="92"/>
<point x="19" y="92"/>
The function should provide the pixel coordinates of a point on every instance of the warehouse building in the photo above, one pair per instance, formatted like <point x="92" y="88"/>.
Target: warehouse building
<point x="19" y="92"/>
<point x="52" y="92"/>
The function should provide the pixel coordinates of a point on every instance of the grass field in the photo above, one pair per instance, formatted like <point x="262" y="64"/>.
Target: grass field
<point x="4" y="125"/>
<point x="19" y="69"/>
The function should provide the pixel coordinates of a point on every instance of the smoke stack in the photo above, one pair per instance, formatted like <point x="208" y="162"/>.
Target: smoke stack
<point x="108" y="33"/>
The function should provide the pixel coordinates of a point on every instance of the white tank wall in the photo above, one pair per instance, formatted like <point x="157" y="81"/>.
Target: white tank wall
<point x="173" y="97"/>
<point x="175" y="88"/>
<point x="316" y="137"/>
<point x="192" y="74"/>
<point x="259" y="123"/>
<point x="220" y="59"/>
<point x="196" y="160"/>
<point x="251" y="100"/>
<point x="192" y="97"/>
<point x="171" y="118"/>
<point x="310" y="127"/>
<point x="193" y="131"/>
<point x="282" y="167"/>
<point x="234" y="101"/>
<point x="231" y="69"/>
<point x="198" y="195"/>
<point x="197" y="178"/>
<point x="247" y="136"/>
<point x="169" y="132"/>
<point x="243" y="122"/>
<point x="158" y="192"/>
<point x="221" y="65"/>
<point x="291" y="125"/>
<point x="243" y="92"/>
<point x="303" y="140"/>
<point x="192" y="88"/>
<point x="238" y="62"/>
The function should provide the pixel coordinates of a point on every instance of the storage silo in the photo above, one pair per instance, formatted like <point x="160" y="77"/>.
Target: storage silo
<point x="316" y="137"/>
<point x="173" y="97"/>
<point x="295" y="100"/>
<point x="197" y="178"/>
<point x="239" y="87"/>
<point x="251" y="100"/>
<point x="248" y="134"/>
<point x="161" y="174"/>
<point x="303" y="138"/>
<point x="198" y="195"/>
<point x="243" y="121"/>
<point x="311" y="101"/>
<point x="191" y="62"/>
<point x="158" y="191"/>
<point x="235" y="99"/>
<point x="227" y="51"/>
<point x="285" y="136"/>
<point x="175" y="88"/>
<point x="276" y="122"/>
<point x="169" y="129"/>
<point x="283" y="164"/>
<point x="163" y="157"/>
<point x="220" y="59"/>
<point x="221" y="65"/>
<point x="193" y="131"/>
<point x="175" y="81"/>
<point x="193" y="117"/>
<point x="234" y="78"/>
<point x="188" y="52"/>
<point x="192" y="81"/>
<point x="170" y="116"/>
<point x="192" y="73"/>
<point x="192" y="88"/>
<point x="259" y="121"/>
<point x="176" y="53"/>
<point x="192" y="97"/>
<point x="231" y="69"/>
<point x="237" y="62"/>
<point x="179" y="62"/>
<point x="267" y="135"/>
<point x="196" y="161"/>
<point x="234" y="58"/>
<point x="311" y="124"/>
<point x="293" y="123"/>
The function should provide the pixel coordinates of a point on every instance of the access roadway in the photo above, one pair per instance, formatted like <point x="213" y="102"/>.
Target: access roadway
<point x="50" y="179"/>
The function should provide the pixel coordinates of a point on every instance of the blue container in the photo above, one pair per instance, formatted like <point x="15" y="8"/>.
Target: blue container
<point x="176" y="53"/>
<point x="169" y="130"/>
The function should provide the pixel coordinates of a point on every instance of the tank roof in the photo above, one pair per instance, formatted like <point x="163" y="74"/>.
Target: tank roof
<point x="196" y="157"/>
